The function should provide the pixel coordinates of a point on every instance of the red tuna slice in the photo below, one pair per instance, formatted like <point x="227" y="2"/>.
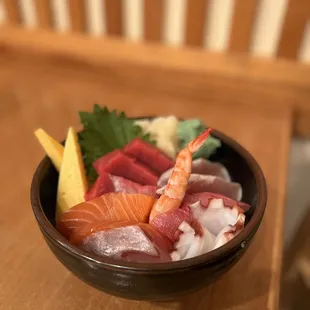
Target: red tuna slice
<point x="149" y="155"/>
<point x="107" y="183"/>
<point x="130" y="243"/>
<point x="103" y="184"/>
<point x="122" y="165"/>
<point x="168" y="223"/>
<point x="205" y="198"/>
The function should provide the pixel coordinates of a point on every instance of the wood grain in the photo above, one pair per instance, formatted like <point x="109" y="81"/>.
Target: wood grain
<point x="296" y="264"/>
<point x="242" y="25"/>
<point x="44" y="13"/>
<point x="87" y="50"/>
<point x="195" y="22"/>
<point x="208" y="73"/>
<point x="64" y="74"/>
<point x="297" y="15"/>
<point x="153" y="19"/>
<point x="48" y="94"/>
<point x="77" y="15"/>
<point x="12" y="11"/>
<point x="300" y="245"/>
<point x="114" y="17"/>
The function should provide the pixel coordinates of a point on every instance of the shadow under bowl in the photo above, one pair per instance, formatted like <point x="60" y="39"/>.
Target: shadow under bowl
<point x="155" y="281"/>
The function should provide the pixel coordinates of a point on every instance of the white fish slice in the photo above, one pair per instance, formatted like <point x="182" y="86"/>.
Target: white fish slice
<point x="208" y="183"/>
<point x="200" y="166"/>
<point x="115" y="241"/>
<point x="198" y="183"/>
<point x="207" y="167"/>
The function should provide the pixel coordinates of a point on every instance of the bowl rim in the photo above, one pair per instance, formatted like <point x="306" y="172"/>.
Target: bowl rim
<point x="233" y="245"/>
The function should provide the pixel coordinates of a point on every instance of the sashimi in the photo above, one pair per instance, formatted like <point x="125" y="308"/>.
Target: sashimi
<point x="100" y="163"/>
<point x="205" y="198"/>
<point x="214" y="212"/>
<point x="190" y="244"/>
<point x="162" y="244"/>
<point x="107" y="183"/>
<point x="204" y="222"/>
<point x="78" y="235"/>
<point x="130" y="243"/>
<point x="145" y="199"/>
<point x="216" y="216"/>
<point x="122" y="165"/>
<point x="207" y="183"/>
<point x="149" y="155"/>
<point x="225" y="235"/>
<point x="168" y="222"/>
<point x="102" y="185"/>
<point x="108" y="207"/>
<point x="200" y="166"/>
<point x="207" y="167"/>
<point x="189" y="237"/>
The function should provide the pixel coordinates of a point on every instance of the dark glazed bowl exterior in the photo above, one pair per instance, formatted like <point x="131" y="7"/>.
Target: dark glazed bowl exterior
<point x="156" y="281"/>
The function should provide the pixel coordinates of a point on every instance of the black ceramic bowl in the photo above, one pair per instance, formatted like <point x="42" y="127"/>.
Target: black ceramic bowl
<point x="156" y="281"/>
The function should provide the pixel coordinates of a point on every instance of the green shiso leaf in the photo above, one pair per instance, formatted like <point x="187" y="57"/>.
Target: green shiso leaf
<point x="189" y="130"/>
<point x="104" y="131"/>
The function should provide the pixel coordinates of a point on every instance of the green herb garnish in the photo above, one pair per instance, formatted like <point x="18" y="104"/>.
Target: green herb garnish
<point x="104" y="131"/>
<point x="189" y="130"/>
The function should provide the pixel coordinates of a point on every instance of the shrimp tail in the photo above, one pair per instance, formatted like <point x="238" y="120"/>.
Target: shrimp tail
<point x="195" y="144"/>
<point x="176" y="187"/>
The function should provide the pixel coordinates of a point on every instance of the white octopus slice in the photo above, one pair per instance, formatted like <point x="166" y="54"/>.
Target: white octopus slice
<point x="216" y="216"/>
<point x="190" y="244"/>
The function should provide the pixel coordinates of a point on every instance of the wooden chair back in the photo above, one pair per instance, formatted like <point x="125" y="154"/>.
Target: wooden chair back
<point x="274" y="28"/>
<point x="260" y="48"/>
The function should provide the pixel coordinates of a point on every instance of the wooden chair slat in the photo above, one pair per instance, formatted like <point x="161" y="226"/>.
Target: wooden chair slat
<point x="44" y="13"/>
<point x="153" y="19"/>
<point x="12" y="11"/>
<point x="114" y="18"/>
<point x="297" y="15"/>
<point x="242" y="25"/>
<point x="77" y="15"/>
<point x="195" y="22"/>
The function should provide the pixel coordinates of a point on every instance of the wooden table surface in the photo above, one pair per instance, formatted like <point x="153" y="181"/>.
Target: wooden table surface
<point x="32" y="278"/>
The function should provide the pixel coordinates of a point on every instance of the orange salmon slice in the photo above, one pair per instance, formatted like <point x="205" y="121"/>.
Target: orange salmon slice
<point x="108" y="207"/>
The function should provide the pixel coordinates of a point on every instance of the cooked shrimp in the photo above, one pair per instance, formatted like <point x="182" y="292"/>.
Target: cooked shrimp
<point x="175" y="189"/>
